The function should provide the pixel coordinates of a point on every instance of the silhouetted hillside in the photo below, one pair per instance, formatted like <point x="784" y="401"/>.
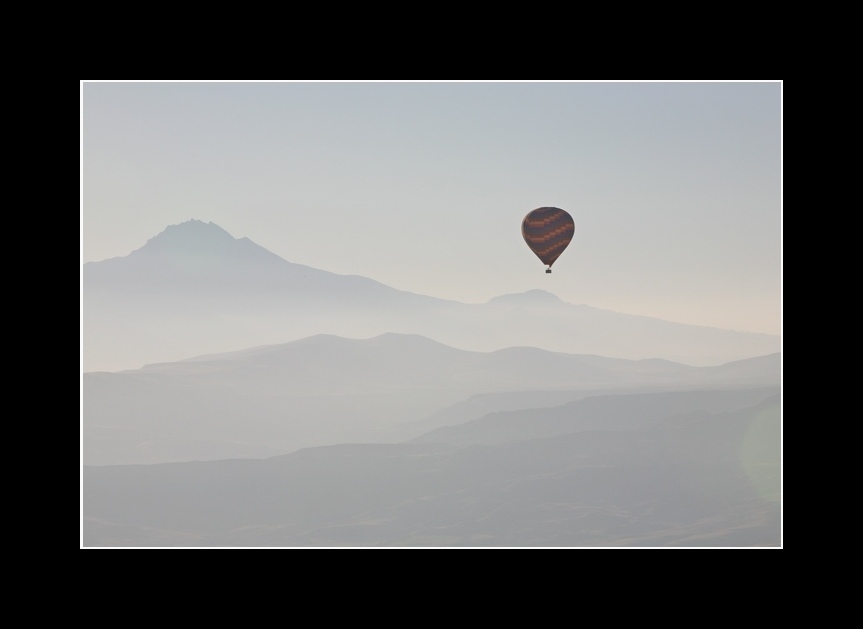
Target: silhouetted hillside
<point x="195" y="289"/>
<point x="597" y="412"/>
<point x="689" y="479"/>
<point x="326" y="389"/>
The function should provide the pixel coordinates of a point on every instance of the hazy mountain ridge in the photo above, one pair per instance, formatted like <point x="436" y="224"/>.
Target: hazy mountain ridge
<point x="695" y="479"/>
<point x="326" y="389"/>
<point x="596" y="412"/>
<point x="195" y="289"/>
<point x="329" y="362"/>
<point x="201" y="262"/>
<point x="315" y="409"/>
<point x="482" y="404"/>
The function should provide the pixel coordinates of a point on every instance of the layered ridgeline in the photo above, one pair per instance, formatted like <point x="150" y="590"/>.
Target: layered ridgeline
<point x="683" y="469"/>
<point x="195" y="289"/>
<point x="325" y="390"/>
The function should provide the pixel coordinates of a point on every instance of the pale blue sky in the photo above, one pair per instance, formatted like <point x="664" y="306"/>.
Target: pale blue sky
<point x="675" y="188"/>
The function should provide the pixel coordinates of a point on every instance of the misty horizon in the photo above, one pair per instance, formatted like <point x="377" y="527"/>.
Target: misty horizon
<point x="324" y="314"/>
<point x="495" y="298"/>
<point x="182" y="283"/>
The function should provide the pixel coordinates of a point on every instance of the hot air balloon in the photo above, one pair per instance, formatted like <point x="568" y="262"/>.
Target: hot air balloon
<point x="547" y="231"/>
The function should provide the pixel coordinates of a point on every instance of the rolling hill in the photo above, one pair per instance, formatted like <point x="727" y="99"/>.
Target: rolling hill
<point x="326" y="389"/>
<point x="702" y="472"/>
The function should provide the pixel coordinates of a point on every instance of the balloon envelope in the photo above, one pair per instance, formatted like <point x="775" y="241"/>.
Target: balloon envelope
<point x="547" y="231"/>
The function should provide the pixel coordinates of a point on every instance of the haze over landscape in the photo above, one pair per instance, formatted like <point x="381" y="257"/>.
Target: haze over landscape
<point x="675" y="188"/>
<point x="309" y="318"/>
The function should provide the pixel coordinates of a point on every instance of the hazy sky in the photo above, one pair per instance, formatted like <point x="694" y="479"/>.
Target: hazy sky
<point x="675" y="188"/>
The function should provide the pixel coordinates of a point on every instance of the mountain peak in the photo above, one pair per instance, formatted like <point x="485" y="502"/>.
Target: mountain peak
<point x="193" y="235"/>
<point x="535" y="296"/>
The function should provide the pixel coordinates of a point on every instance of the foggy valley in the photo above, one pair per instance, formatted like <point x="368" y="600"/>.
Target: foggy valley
<point x="232" y="398"/>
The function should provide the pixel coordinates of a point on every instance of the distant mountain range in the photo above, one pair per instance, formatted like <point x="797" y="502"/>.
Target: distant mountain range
<point x="195" y="289"/>
<point x="233" y="398"/>
<point x="677" y="469"/>
<point x="325" y="389"/>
